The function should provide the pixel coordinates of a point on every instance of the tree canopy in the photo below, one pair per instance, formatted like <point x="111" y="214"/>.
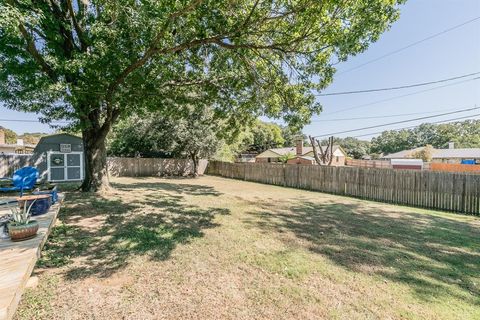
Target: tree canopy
<point x="354" y="147"/>
<point x="94" y="62"/>
<point x="194" y="136"/>
<point x="10" y="135"/>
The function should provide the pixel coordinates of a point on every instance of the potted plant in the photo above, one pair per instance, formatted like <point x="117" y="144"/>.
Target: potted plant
<point x="21" y="227"/>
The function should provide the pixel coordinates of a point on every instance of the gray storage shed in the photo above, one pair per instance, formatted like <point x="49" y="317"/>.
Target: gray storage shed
<point x="60" y="158"/>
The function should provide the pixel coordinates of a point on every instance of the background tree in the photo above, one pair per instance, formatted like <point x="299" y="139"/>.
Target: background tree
<point x="195" y="135"/>
<point x="265" y="136"/>
<point x="93" y="62"/>
<point x="10" y="135"/>
<point x="391" y="141"/>
<point x="425" y="153"/>
<point x="354" y="147"/>
<point x="32" y="137"/>
<point x="284" y="158"/>
<point x="290" y="136"/>
<point x="323" y="154"/>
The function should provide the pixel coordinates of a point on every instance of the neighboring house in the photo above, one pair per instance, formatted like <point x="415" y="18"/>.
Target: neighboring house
<point x="450" y="155"/>
<point x="19" y="147"/>
<point x="60" y="158"/>
<point x="300" y="154"/>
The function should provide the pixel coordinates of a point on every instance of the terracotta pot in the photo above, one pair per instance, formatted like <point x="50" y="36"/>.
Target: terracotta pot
<point x="23" y="231"/>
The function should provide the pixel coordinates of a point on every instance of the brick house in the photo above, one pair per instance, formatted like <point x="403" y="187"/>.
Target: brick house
<point x="300" y="154"/>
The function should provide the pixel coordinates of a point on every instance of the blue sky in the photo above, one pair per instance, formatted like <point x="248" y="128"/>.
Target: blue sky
<point x="451" y="54"/>
<point x="448" y="55"/>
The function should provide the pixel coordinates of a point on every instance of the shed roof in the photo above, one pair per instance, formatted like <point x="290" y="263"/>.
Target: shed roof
<point x="57" y="135"/>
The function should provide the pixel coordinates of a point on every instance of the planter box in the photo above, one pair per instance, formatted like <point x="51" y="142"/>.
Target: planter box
<point x="40" y="206"/>
<point x="52" y="191"/>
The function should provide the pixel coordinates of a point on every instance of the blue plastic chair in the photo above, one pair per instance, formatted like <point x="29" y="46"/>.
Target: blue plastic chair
<point x="23" y="179"/>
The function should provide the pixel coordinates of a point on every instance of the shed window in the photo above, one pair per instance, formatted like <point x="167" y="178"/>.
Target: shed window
<point x="65" y="166"/>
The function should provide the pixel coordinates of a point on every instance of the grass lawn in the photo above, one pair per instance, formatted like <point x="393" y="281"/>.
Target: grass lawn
<point x="214" y="248"/>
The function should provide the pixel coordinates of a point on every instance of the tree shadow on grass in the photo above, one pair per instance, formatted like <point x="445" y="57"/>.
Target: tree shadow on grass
<point x="434" y="255"/>
<point x="99" y="235"/>
<point x="179" y="188"/>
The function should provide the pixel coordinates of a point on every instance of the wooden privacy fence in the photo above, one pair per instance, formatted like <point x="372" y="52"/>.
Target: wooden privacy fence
<point x="11" y="162"/>
<point x="458" y="192"/>
<point x="455" y="167"/>
<point x="118" y="167"/>
<point x="385" y="164"/>
<point x="152" y="167"/>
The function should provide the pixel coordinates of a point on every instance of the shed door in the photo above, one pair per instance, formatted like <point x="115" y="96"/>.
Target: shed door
<point x="65" y="166"/>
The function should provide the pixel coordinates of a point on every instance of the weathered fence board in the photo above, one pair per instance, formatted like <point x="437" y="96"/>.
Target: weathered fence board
<point x="384" y="164"/>
<point x="118" y="167"/>
<point x="455" y="167"/>
<point x="11" y="162"/>
<point x="451" y="191"/>
<point x="152" y="167"/>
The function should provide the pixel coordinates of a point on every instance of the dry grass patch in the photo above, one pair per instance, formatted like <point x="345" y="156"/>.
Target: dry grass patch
<point x="213" y="248"/>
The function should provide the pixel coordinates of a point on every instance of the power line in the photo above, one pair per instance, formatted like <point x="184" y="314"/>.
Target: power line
<point x="411" y="127"/>
<point x="409" y="46"/>
<point x="36" y="121"/>
<point x="396" y="88"/>
<point x="402" y="96"/>
<point x="380" y="117"/>
<point x="397" y="122"/>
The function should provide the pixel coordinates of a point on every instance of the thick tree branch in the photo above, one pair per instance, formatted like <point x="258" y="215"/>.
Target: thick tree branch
<point x="76" y="25"/>
<point x="32" y="49"/>
<point x="148" y="54"/>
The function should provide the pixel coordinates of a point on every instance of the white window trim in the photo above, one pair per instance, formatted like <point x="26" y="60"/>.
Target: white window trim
<point x="65" y="167"/>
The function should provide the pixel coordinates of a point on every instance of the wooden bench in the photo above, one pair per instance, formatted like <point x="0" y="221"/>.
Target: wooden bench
<point x="17" y="260"/>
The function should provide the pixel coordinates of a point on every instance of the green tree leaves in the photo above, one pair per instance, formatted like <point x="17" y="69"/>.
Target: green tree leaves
<point x="94" y="62"/>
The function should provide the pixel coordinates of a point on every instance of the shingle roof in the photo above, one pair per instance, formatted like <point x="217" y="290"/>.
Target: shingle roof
<point x="457" y="153"/>
<point x="402" y="154"/>
<point x="439" y="153"/>
<point x="293" y="150"/>
<point x="284" y="151"/>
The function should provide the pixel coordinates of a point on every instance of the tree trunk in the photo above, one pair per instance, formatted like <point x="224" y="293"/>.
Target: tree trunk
<point x="195" y="163"/>
<point x="96" y="172"/>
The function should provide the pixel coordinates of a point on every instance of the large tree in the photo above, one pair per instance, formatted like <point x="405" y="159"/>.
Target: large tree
<point x="94" y="61"/>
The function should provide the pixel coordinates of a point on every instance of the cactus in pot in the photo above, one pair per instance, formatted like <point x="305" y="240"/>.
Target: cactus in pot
<point x="21" y="227"/>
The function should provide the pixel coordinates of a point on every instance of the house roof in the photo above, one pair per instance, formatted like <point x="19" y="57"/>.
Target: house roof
<point x="14" y="145"/>
<point x="401" y="154"/>
<point x="307" y="158"/>
<point x="457" y="153"/>
<point x="291" y="150"/>
<point x="439" y="153"/>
